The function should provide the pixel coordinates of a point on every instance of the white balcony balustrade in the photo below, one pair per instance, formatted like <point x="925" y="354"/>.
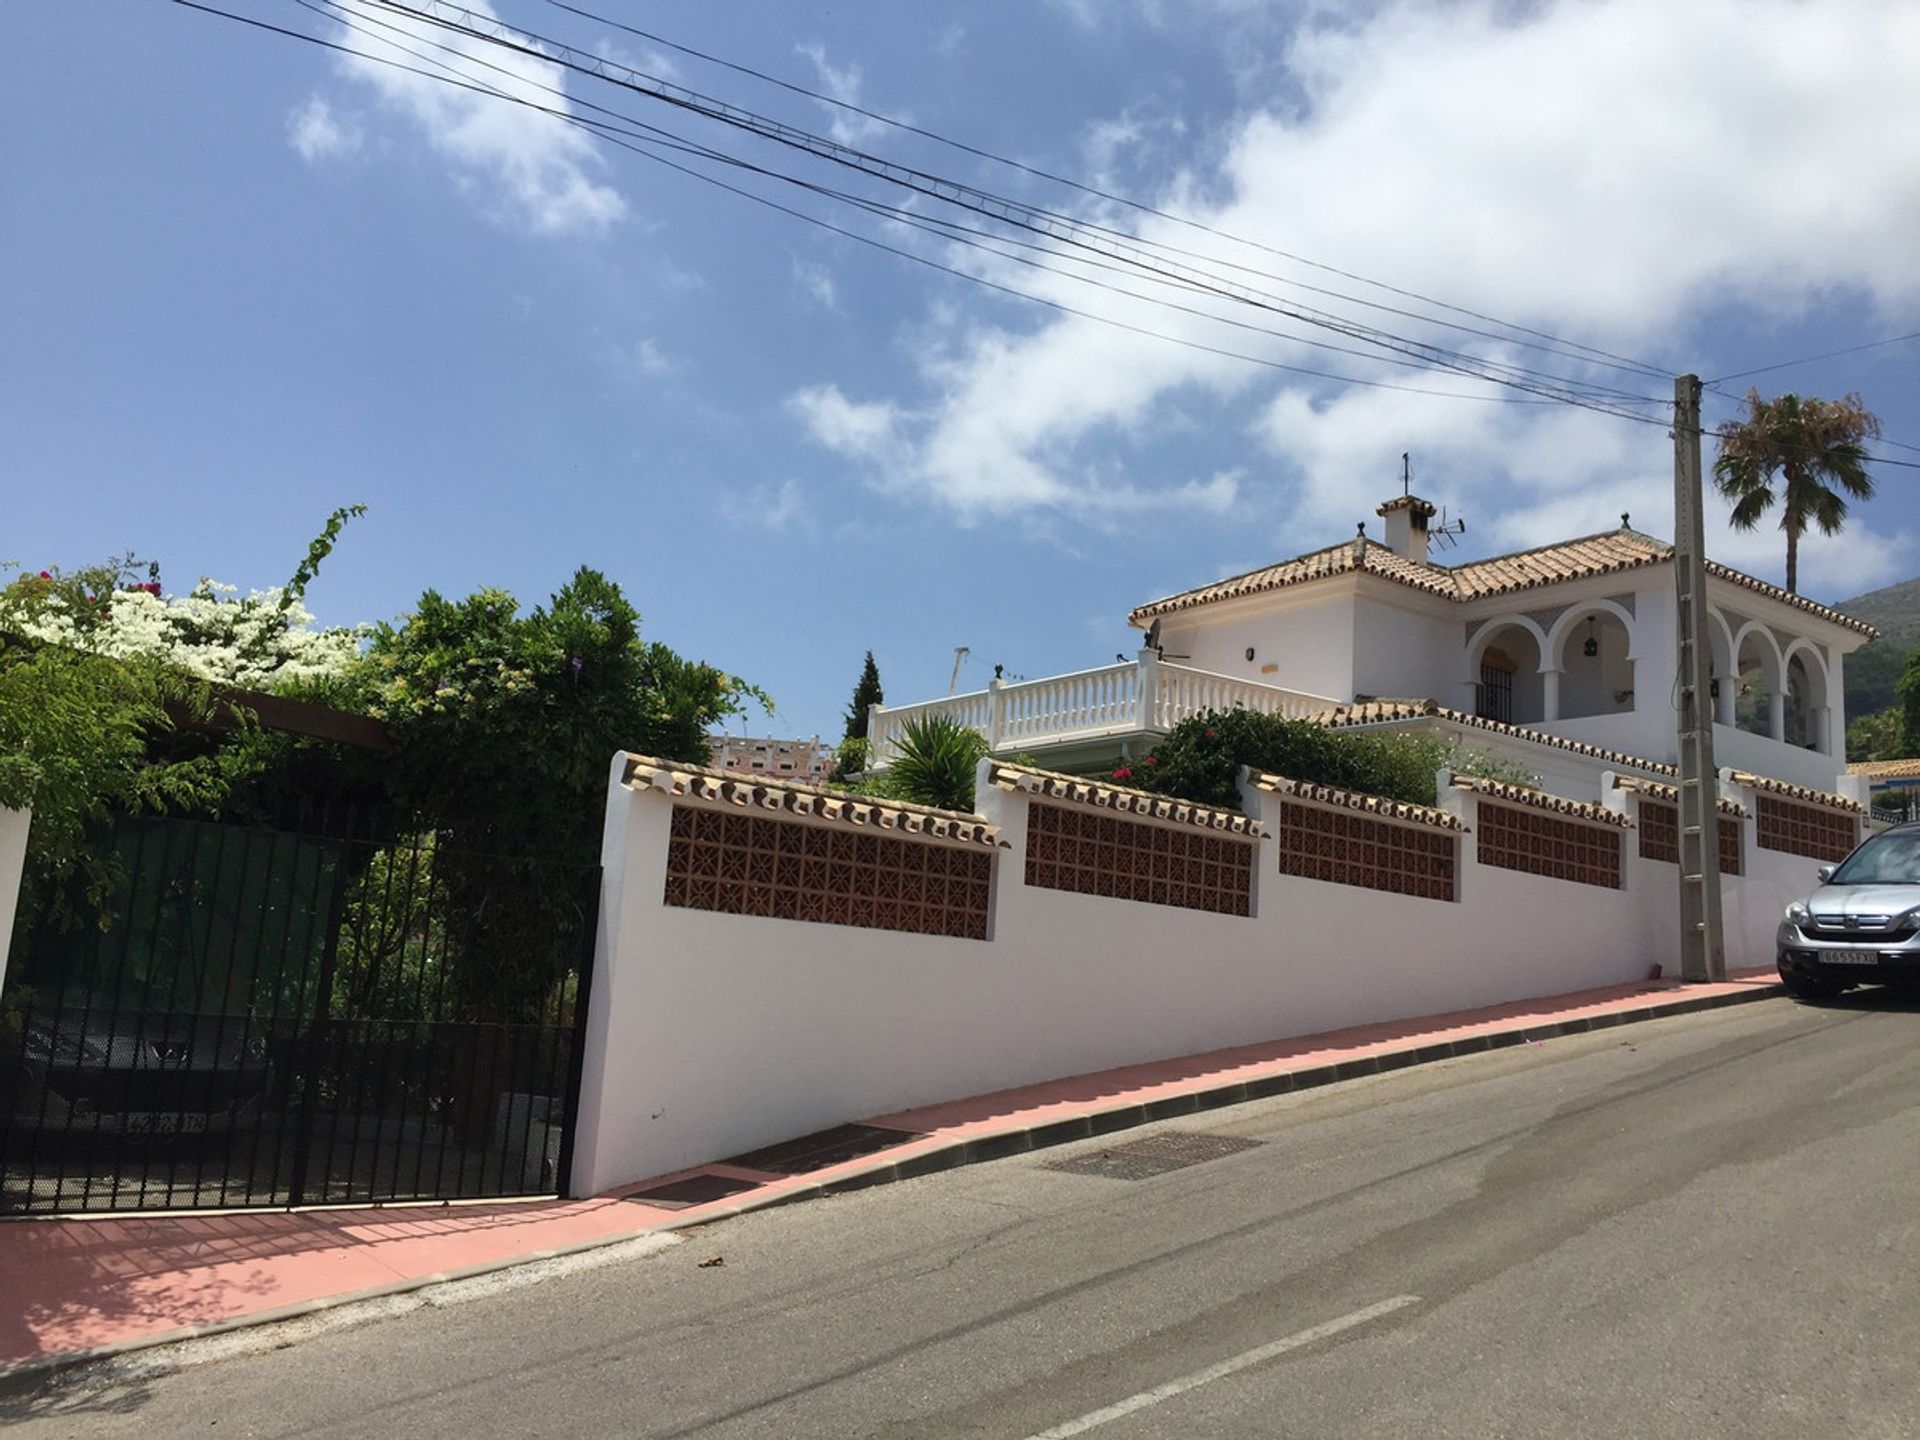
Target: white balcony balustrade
<point x="1142" y="697"/>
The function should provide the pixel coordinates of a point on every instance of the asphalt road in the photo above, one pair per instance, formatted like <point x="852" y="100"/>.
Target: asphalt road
<point x="1701" y="1226"/>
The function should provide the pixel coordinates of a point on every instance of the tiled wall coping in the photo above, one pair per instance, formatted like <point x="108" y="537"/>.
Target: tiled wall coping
<point x="1375" y="805"/>
<point x="1501" y="790"/>
<point x="1141" y="804"/>
<point x="808" y="802"/>
<point x="1801" y="793"/>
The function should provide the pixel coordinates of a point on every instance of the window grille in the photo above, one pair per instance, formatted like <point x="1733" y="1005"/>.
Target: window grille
<point x="1660" y="837"/>
<point x="1345" y="848"/>
<point x="1496" y="694"/>
<point x="790" y="870"/>
<point x="1811" y="830"/>
<point x="1093" y="853"/>
<point x="1512" y="838"/>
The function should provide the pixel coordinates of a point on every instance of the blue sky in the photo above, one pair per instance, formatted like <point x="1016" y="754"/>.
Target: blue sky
<point x="249" y="281"/>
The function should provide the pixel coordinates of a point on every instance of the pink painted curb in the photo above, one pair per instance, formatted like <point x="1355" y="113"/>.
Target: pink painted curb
<point x="90" y="1289"/>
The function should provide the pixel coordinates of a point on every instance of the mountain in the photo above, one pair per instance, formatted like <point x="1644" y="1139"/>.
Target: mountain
<point x="1873" y="671"/>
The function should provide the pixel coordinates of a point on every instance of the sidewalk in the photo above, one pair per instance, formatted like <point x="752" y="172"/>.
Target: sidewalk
<point x="85" y="1288"/>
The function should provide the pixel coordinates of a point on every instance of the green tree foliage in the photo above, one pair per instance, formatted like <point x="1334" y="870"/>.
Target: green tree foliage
<point x="78" y="727"/>
<point x="1910" y="707"/>
<point x="866" y="692"/>
<point x="1201" y="758"/>
<point x="935" y="765"/>
<point x="1816" y="447"/>
<point x="504" y="723"/>
<point x="1876" y="736"/>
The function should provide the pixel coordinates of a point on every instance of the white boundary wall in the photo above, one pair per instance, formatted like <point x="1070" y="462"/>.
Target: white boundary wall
<point x="711" y="1034"/>
<point x="14" y="825"/>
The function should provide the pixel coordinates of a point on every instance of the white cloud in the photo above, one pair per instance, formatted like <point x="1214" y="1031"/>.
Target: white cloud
<point x="642" y="358"/>
<point x="1548" y="164"/>
<point x="842" y="82"/>
<point x="522" y="165"/>
<point x="317" y="135"/>
<point x="817" y="281"/>
<point x="779" y="509"/>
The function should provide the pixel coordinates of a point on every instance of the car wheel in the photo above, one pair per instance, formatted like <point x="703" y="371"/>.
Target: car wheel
<point x="1807" y="987"/>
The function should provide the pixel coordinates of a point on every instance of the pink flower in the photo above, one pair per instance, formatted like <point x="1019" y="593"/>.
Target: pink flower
<point x="1213" y="734"/>
<point x="1123" y="773"/>
<point x="1150" y="761"/>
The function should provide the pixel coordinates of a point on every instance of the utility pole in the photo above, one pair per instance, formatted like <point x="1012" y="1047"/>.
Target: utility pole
<point x="1703" y="951"/>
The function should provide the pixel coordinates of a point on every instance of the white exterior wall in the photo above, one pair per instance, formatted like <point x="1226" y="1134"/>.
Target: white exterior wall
<point x="1402" y="649"/>
<point x="14" y="825"/>
<point x="1309" y="639"/>
<point x="711" y="1034"/>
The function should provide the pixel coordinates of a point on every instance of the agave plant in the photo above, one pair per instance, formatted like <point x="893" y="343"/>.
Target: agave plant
<point x="935" y="763"/>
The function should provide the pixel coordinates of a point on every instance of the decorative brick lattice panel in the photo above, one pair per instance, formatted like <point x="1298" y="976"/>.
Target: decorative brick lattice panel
<point x="1352" y="849"/>
<point x="790" y="870"/>
<point x="1098" y="854"/>
<point x="1545" y="844"/>
<point x="1810" y="830"/>
<point x="1660" y="836"/>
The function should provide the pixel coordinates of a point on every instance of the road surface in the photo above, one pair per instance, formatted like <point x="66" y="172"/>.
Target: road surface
<point x="1701" y="1226"/>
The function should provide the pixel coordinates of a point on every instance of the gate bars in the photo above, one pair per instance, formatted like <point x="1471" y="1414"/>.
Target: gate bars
<point x="275" y="1018"/>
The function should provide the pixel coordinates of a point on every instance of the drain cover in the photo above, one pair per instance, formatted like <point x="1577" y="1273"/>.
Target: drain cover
<point x="828" y="1147"/>
<point x="693" y="1190"/>
<point x="1153" y="1155"/>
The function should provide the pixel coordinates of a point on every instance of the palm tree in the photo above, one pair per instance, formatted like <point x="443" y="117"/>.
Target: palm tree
<point x="1817" y="445"/>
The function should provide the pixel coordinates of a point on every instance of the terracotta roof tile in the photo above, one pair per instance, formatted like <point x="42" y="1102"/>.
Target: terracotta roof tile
<point x="1885" y="769"/>
<point x="1607" y="553"/>
<point x="1670" y="794"/>
<point x="1078" y="790"/>
<point x="1541" y="800"/>
<point x="1796" y="792"/>
<point x="1354" y="800"/>
<point x="1382" y="712"/>
<point x="793" y="797"/>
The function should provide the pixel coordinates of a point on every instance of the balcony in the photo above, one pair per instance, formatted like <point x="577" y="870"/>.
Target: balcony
<point x="1091" y="711"/>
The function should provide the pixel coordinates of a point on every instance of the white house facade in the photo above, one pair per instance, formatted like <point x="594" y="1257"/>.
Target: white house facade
<point x="1566" y="651"/>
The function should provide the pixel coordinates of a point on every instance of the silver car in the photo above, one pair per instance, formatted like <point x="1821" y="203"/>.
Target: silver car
<point x="1862" y="926"/>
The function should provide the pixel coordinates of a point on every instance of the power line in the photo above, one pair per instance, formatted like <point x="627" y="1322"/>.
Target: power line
<point x="666" y="139"/>
<point x="1809" y="359"/>
<point x="1048" y="224"/>
<point x="614" y="135"/>
<point x="1550" y="340"/>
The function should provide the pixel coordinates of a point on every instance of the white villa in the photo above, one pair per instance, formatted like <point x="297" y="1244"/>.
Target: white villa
<point x="1563" y="658"/>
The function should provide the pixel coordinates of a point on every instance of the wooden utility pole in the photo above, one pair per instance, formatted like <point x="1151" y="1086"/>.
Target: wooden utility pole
<point x="1703" y="953"/>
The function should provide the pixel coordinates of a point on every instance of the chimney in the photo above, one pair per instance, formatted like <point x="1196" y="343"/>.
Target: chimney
<point x="1407" y="517"/>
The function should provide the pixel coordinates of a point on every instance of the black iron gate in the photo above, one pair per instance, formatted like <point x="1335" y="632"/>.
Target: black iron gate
<point x="273" y="1018"/>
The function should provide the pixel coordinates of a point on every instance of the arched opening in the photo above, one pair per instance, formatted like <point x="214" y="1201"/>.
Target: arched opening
<point x="1507" y="682"/>
<point x="1726" y="682"/>
<point x="1807" y="718"/>
<point x="1759" y="705"/>
<point x="1596" y="666"/>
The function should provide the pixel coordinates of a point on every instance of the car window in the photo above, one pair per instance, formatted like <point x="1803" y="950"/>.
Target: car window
<point x="1883" y="860"/>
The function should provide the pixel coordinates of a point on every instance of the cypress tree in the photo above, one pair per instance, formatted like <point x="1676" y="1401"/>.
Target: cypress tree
<point x="866" y="693"/>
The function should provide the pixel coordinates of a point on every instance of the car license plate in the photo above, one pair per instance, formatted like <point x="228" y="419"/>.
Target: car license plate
<point x="1849" y="957"/>
<point x="162" y="1122"/>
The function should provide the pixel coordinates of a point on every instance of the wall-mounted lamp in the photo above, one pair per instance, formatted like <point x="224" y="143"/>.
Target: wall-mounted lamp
<point x="1592" y="647"/>
<point x="1249" y="652"/>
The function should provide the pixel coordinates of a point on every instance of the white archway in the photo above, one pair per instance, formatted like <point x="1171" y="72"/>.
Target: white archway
<point x="1808" y="690"/>
<point x="1597" y="683"/>
<point x="1764" y="708"/>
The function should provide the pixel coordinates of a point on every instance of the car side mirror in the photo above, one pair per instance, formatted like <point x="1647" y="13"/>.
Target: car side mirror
<point x="1824" y="873"/>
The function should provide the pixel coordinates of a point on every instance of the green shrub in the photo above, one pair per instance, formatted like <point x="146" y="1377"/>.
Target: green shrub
<point x="1201" y="759"/>
<point x="935" y="765"/>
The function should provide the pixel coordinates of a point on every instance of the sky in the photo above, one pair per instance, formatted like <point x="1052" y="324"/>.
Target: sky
<point x="249" y="280"/>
